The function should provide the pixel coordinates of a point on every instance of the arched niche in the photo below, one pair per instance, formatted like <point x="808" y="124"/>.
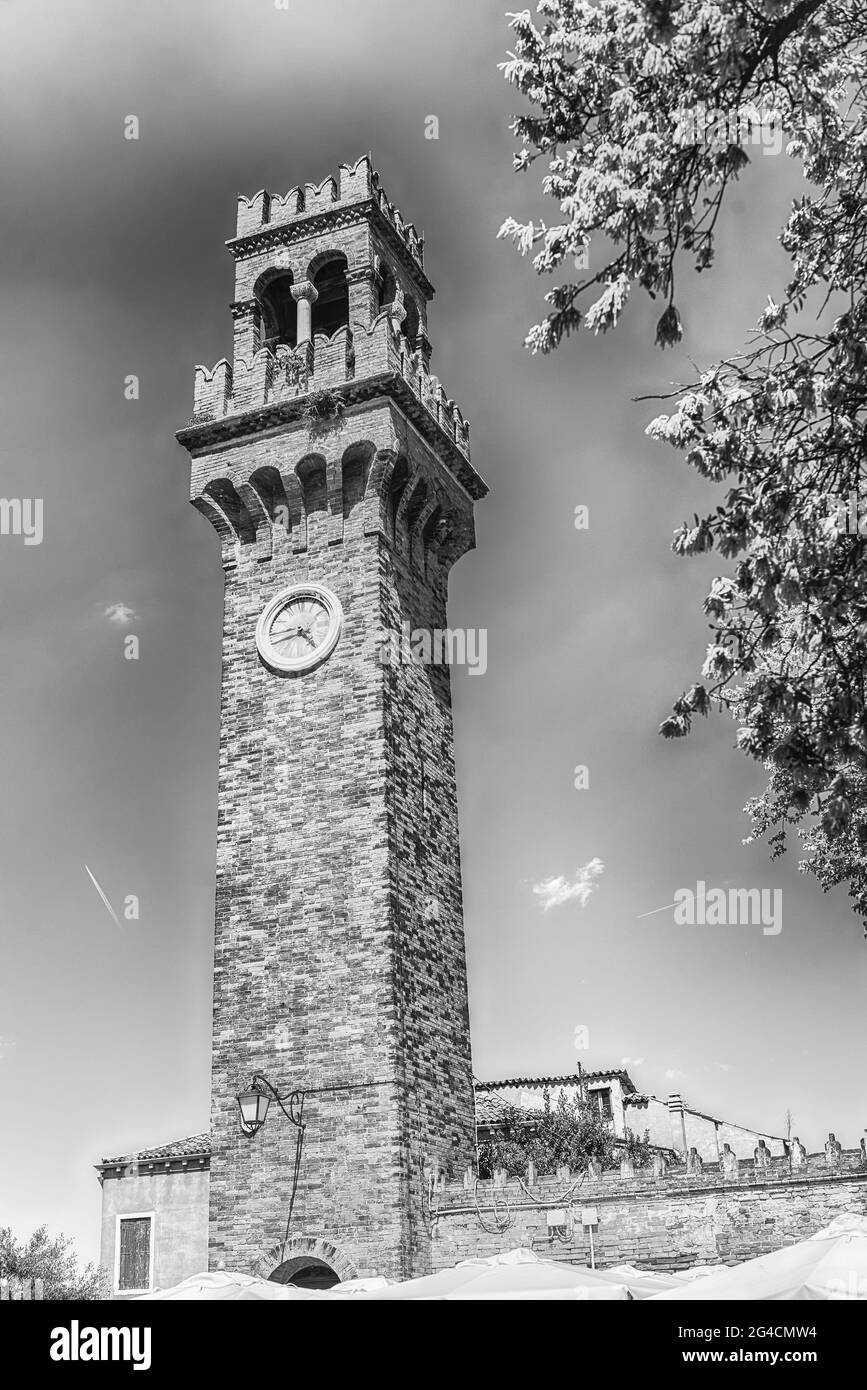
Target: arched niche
<point x="355" y="467"/>
<point x="397" y="487"/>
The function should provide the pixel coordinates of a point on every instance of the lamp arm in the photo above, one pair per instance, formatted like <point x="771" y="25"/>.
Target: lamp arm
<point x="294" y="1098"/>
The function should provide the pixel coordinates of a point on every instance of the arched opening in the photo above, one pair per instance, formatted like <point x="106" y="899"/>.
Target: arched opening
<point x="411" y="322"/>
<point x="331" y="309"/>
<point x="387" y="287"/>
<point x="305" y="1272"/>
<point x="279" y="313"/>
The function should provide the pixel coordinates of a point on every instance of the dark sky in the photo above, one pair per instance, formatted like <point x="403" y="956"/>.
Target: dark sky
<point x="113" y="263"/>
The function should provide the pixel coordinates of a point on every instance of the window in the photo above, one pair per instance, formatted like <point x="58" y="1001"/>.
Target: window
<point x="134" y="1256"/>
<point x="602" y="1101"/>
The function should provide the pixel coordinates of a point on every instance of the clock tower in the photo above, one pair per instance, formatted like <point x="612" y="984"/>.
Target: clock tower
<point x="336" y="473"/>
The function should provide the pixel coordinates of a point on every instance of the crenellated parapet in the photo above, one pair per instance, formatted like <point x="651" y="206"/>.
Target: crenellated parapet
<point x="659" y="1217"/>
<point x="352" y="363"/>
<point x="355" y="184"/>
<point x="679" y="1176"/>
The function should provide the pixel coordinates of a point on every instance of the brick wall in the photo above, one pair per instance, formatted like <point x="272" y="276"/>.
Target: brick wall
<point x="672" y="1222"/>
<point x="339" y="938"/>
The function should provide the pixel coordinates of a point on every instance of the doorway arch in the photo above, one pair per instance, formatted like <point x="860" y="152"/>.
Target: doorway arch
<point x="306" y="1272"/>
<point x="307" y="1262"/>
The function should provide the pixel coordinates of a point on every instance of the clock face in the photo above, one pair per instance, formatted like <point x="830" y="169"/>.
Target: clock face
<point x="299" y="628"/>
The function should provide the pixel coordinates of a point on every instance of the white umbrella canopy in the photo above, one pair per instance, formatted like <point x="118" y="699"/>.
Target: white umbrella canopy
<point x="350" y="1287"/>
<point x="832" y="1264"/>
<point x="642" y="1283"/>
<point x="514" y="1274"/>
<point x="223" y="1286"/>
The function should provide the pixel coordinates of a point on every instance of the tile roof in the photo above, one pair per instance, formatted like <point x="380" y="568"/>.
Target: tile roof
<point x="490" y="1109"/>
<point x="512" y="1083"/>
<point x="196" y="1146"/>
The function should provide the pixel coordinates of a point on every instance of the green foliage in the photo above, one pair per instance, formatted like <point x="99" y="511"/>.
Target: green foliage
<point x="638" y="1148"/>
<point x="642" y="112"/>
<point x="569" y="1133"/>
<point x="54" y="1262"/>
<point x="322" y="408"/>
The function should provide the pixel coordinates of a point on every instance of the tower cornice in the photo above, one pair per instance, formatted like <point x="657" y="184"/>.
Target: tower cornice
<point x="208" y="435"/>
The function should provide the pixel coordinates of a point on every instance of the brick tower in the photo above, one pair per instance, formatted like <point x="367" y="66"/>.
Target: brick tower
<point x="337" y="475"/>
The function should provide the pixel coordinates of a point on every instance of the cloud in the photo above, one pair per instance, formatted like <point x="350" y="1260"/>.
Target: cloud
<point x="631" y="1061"/>
<point x="553" y="892"/>
<point x="5" y="1046"/>
<point x="119" y="613"/>
<point x="674" y="1075"/>
<point x="726" y="1066"/>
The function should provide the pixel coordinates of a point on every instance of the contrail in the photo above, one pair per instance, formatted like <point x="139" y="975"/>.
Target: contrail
<point x="654" y="910"/>
<point x="108" y="905"/>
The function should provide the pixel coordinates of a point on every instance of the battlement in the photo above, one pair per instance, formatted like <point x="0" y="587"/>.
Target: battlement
<point x="272" y="377"/>
<point x="356" y="184"/>
<point x="627" y="1180"/>
<point x="663" y="1217"/>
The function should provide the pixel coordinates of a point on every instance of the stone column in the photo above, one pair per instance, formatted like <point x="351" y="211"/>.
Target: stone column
<point x="305" y="295"/>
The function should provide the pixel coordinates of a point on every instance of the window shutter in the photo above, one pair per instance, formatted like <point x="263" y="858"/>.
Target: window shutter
<point x="135" y="1253"/>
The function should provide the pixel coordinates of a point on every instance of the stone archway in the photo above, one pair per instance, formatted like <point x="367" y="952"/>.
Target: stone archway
<point x="305" y="1261"/>
<point x="306" y="1272"/>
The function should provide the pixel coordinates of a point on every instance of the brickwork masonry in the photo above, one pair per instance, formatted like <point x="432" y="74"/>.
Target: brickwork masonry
<point x="666" y="1219"/>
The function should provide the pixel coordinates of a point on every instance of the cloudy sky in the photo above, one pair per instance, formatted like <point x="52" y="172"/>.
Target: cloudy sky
<point x="113" y="263"/>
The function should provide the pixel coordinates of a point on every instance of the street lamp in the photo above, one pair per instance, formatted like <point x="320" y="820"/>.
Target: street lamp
<point x="254" y="1102"/>
<point x="253" y="1105"/>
